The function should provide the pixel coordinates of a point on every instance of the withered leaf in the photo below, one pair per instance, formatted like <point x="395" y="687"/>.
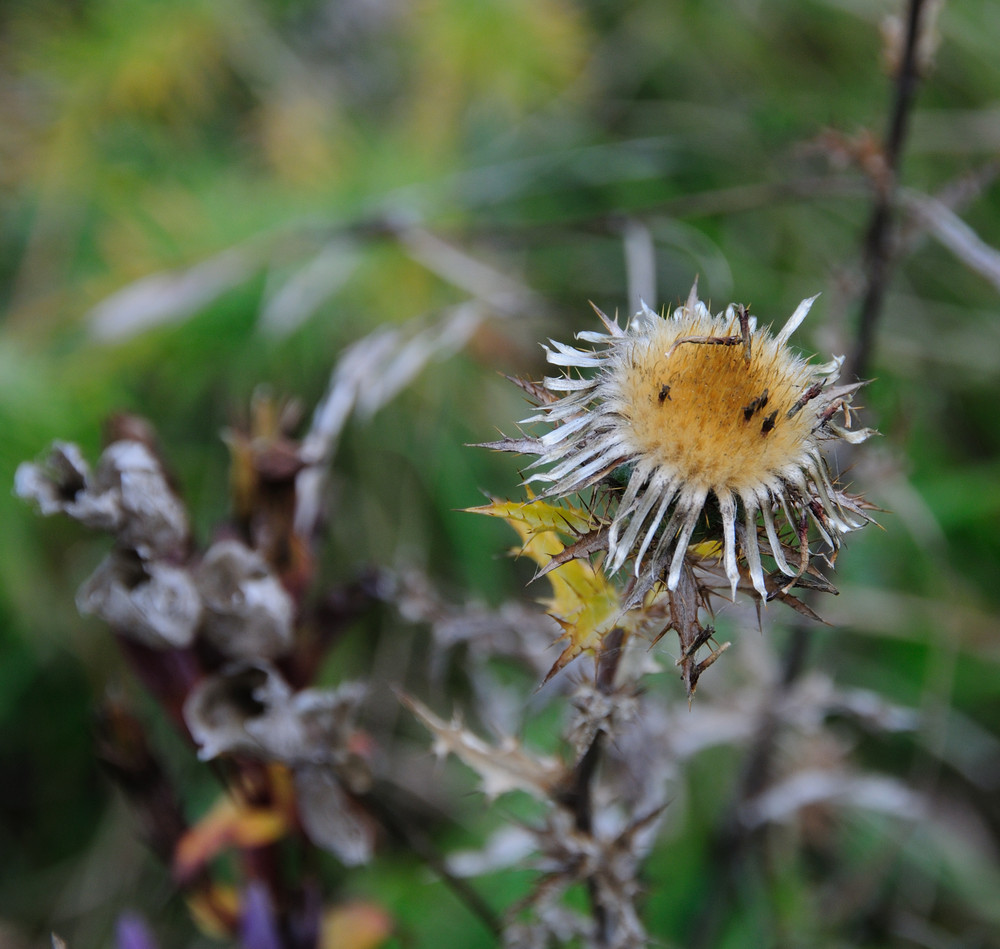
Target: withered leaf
<point x="502" y="768"/>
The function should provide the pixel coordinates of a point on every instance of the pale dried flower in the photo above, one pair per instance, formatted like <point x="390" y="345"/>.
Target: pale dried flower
<point x="154" y="602"/>
<point x="250" y="709"/>
<point x="706" y="420"/>
<point x="248" y="613"/>
<point x="128" y="495"/>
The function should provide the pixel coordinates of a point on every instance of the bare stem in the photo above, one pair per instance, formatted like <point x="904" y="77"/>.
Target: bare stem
<point x="878" y="256"/>
<point x="577" y="796"/>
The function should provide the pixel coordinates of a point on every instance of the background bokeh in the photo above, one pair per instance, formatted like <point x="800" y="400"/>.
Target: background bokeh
<point x="201" y="196"/>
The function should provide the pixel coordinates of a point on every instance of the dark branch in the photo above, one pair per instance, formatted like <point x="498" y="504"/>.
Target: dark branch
<point x="878" y="255"/>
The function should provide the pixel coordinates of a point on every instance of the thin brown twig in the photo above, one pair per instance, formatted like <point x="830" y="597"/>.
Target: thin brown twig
<point x="878" y="249"/>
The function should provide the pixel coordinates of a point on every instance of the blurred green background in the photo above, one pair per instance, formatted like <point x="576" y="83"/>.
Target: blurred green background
<point x="199" y="196"/>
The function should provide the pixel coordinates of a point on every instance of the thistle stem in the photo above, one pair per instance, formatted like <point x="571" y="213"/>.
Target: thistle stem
<point x="878" y="251"/>
<point x="578" y="793"/>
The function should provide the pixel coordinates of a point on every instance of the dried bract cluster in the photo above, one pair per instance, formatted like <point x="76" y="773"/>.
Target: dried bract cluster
<point x="700" y="427"/>
<point x="216" y="636"/>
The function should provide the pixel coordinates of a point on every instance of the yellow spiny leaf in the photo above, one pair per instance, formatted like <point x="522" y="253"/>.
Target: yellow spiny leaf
<point x="585" y="605"/>
<point x="532" y="517"/>
<point x="583" y="601"/>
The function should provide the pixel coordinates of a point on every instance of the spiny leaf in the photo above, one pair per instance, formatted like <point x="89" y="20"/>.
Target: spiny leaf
<point x="584" y="602"/>
<point x="588" y="544"/>
<point x="532" y="517"/>
<point x="585" y="605"/>
<point x="504" y="767"/>
<point x="536" y="390"/>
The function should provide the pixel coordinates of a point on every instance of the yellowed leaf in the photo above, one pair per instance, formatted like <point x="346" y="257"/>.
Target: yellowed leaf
<point x="233" y="823"/>
<point x="584" y="602"/>
<point x="706" y="550"/>
<point x="531" y="517"/>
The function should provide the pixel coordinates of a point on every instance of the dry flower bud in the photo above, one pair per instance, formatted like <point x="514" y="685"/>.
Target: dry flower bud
<point x="220" y="708"/>
<point x="153" y="603"/>
<point x="252" y="710"/>
<point x="58" y="485"/>
<point x="127" y="496"/>
<point x="153" y="520"/>
<point x="248" y="613"/>
<point x="326" y="718"/>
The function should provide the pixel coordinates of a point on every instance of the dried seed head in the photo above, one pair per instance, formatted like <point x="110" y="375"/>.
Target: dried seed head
<point x="706" y="412"/>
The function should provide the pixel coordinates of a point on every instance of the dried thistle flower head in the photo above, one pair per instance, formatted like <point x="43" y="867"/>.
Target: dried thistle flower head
<point x="704" y="419"/>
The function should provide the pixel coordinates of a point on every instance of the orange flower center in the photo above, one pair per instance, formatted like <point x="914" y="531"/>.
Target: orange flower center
<point x="718" y="421"/>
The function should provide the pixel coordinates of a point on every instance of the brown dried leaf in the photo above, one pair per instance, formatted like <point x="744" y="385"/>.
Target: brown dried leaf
<point x="685" y="603"/>
<point x="536" y="390"/>
<point x="589" y="543"/>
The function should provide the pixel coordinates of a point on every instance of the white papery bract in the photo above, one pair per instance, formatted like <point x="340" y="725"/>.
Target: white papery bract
<point x="704" y="419"/>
